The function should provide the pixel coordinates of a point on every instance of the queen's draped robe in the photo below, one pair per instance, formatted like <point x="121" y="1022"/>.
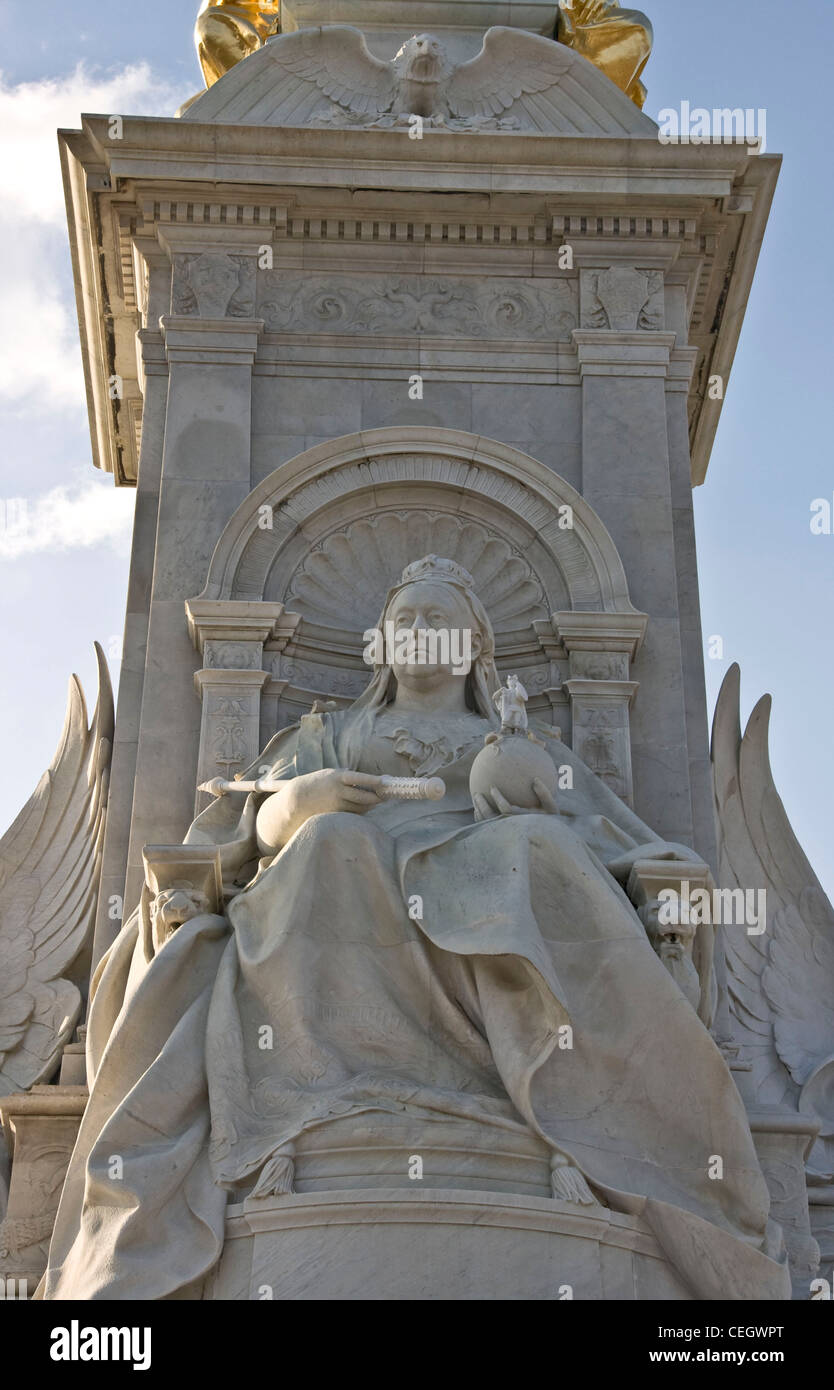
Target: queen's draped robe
<point x="455" y="1012"/>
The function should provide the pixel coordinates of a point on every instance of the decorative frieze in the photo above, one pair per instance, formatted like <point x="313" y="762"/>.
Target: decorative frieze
<point x="508" y="308"/>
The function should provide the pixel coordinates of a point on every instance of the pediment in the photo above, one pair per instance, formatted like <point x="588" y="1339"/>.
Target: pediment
<point x="327" y="77"/>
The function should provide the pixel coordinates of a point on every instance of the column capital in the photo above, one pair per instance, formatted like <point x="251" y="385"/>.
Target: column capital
<point x="238" y="620"/>
<point x="225" y="678"/>
<point x="577" y="687"/>
<point x="228" y="342"/>
<point x="682" y="363"/>
<point x="614" y="352"/>
<point x="601" y="632"/>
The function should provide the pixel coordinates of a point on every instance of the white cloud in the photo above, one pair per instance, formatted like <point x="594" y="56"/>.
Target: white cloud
<point x="39" y="354"/>
<point x="32" y="112"/>
<point x="40" y="359"/>
<point x="65" y="519"/>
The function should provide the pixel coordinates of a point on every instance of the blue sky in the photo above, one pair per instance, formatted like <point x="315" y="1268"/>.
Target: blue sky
<point x="766" y="581"/>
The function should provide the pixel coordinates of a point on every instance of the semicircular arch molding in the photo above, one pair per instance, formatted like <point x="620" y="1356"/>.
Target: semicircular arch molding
<point x="328" y="532"/>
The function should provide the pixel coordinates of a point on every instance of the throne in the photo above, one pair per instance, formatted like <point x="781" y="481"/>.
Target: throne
<point x="298" y="576"/>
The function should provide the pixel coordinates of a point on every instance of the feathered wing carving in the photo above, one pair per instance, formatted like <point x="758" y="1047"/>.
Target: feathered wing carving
<point x="518" y="81"/>
<point x="511" y="67"/>
<point x="339" y="62"/>
<point x="50" y="862"/>
<point x="781" y="983"/>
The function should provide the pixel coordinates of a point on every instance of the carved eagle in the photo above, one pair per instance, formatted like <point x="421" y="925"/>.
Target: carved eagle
<point x="518" y="81"/>
<point x="421" y="80"/>
<point x="50" y="862"/>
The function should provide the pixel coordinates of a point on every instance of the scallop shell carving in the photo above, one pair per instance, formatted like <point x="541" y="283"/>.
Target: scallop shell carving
<point x="342" y="583"/>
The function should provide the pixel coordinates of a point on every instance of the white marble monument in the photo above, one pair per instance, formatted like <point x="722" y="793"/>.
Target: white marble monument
<point x="412" y="319"/>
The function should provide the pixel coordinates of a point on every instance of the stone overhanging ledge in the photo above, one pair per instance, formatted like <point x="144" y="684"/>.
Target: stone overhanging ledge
<point x="721" y="192"/>
<point x="162" y="147"/>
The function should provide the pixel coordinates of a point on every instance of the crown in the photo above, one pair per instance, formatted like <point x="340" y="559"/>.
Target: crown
<point x="434" y="567"/>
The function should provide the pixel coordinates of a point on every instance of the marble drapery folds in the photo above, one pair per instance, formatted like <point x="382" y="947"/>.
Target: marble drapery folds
<point x="524" y="930"/>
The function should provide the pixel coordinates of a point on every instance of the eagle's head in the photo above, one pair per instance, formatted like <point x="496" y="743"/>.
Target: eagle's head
<point x="422" y="58"/>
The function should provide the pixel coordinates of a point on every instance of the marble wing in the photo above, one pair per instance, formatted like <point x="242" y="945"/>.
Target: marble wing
<point x="337" y="61"/>
<point x="50" y="861"/>
<point x="543" y="84"/>
<point x="780" y="983"/>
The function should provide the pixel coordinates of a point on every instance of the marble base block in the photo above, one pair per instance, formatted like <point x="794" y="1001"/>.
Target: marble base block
<point x="436" y="1244"/>
<point x="479" y="1223"/>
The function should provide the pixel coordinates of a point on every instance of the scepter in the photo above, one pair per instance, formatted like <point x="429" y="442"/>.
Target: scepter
<point x="392" y="789"/>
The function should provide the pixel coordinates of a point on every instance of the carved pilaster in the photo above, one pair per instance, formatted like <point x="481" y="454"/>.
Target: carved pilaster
<point x="783" y="1142"/>
<point x="230" y="723"/>
<point x="43" y="1125"/>
<point x="601" y="738"/>
<point x="600" y="648"/>
<point x="230" y="636"/>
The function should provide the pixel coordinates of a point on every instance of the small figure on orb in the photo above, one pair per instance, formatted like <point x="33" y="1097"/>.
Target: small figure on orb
<point x="511" y="703"/>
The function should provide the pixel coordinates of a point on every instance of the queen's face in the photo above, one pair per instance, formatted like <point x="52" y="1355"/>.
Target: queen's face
<point x="450" y="641"/>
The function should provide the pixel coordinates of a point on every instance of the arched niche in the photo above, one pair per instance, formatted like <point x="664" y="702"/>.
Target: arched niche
<point x="303" y="565"/>
<point x="307" y="526"/>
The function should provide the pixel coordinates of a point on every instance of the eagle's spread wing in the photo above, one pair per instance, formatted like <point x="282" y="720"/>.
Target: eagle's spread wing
<point x="542" y="85"/>
<point x="511" y="65"/>
<point x="50" y="862"/>
<point x="780" y="983"/>
<point x="340" y="64"/>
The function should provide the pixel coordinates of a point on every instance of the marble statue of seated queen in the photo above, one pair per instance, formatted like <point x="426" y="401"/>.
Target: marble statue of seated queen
<point x="415" y="958"/>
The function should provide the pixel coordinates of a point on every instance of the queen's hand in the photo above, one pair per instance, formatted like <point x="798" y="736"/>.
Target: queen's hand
<point x="313" y="794"/>
<point x="488" y="807"/>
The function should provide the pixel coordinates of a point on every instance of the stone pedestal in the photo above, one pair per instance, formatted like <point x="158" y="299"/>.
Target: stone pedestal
<point x="353" y="348"/>
<point x="783" y="1142"/>
<point x="436" y="1245"/>
<point x="393" y="1207"/>
<point x="43" y="1124"/>
<point x="388" y="23"/>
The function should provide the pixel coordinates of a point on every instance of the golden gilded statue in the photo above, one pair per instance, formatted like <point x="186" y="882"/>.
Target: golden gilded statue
<point x="228" y="30"/>
<point x="616" y="41"/>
